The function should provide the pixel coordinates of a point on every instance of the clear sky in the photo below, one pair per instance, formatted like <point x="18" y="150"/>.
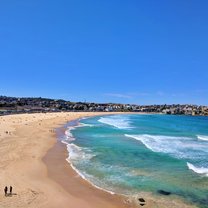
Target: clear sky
<point x="127" y="51"/>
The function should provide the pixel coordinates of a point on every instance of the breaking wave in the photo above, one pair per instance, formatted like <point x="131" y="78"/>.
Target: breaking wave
<point x="68" y="135"/>
<point x="84" y="124"/>
<point x="178" y="147"/>
<point x="119" y="122"/>
<point x="199" y="170"/>
<point x="202" y="137"/>
<point x="78" y="153"/>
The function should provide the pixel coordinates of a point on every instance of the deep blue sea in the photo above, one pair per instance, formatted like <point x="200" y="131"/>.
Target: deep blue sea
<point x="127" y="154"/>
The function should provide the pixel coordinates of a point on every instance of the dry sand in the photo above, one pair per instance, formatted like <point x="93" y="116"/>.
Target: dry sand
<point x="33" y="162"/>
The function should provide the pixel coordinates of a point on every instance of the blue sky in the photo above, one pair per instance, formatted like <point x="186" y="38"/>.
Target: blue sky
<point x="143" y="52"/>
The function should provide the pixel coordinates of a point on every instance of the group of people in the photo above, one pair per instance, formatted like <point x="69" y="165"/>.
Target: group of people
<point x="6" y="191"/>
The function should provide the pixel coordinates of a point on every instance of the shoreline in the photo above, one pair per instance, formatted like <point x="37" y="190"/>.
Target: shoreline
<point x="58" y="156"/>
<point x="123" y="200"/>
<point x="34" y="162"/>
<point x="24" y="141"/>
<point x="67" y="177"/>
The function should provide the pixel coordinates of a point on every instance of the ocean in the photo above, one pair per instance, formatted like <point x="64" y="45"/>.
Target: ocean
<point x="127" y="154"/>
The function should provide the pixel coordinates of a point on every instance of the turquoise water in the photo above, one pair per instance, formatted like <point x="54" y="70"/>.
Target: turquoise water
<point x="131" y="153"/>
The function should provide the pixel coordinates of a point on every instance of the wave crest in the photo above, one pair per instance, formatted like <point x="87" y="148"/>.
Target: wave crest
<point x="78" y="153"/>
<point x="84" y="124"/>
<point x="199" y="170"/>
<point x="178" y="147"/>
<point x="120" y="122"/>
<point x="202" y="137"/>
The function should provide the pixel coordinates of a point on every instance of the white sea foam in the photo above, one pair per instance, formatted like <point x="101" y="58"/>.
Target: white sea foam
<point x="202" y="137"/>
<point x="179" y="147"/>
<point x="120" y="122"/>
<point x="79" y="153"/>
<point x="76" y="154"/>
<point x="84" y="124"/>
<point x="199" y="170"/>
<point x="158" y="143"/>
<point x="85" y="178"/>
<point x="68" y="134"/>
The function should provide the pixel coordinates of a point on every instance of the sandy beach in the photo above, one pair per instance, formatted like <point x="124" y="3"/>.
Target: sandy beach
<point x="33" y="162"/>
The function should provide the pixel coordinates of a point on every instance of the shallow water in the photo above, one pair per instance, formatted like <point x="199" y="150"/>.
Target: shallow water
<point x="131" y="153"/>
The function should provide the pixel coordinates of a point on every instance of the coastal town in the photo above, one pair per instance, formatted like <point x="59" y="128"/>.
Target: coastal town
<point x="15" y="105"/>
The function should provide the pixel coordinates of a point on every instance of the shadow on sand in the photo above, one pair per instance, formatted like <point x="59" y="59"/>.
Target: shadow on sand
<point x="10" y="194"/>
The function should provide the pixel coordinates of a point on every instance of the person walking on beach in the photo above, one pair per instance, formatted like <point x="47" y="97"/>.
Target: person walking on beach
<point x="10" y="190"/>
<point x="5" y="190"/>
